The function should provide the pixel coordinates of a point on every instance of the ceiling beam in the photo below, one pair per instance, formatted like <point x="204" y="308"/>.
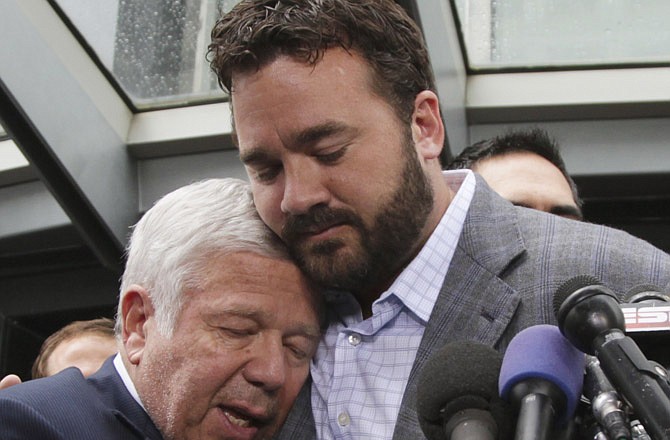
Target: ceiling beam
<point x="70" y="124"/>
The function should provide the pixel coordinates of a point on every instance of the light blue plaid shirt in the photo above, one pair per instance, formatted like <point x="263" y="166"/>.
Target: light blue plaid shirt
<point x="361" y="367"/>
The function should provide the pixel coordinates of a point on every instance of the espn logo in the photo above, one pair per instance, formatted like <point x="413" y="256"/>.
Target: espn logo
<point x="653" y="316"/>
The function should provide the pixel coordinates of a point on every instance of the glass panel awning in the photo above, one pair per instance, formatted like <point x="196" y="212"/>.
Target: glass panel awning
<point x="564" y="34"/>
<point x="154" y="50"/>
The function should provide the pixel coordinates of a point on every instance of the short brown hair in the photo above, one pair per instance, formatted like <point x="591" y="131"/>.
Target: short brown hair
<point x="533" y="140"/>
<point x="255" y="32"/>
<point x="101" y="327"/>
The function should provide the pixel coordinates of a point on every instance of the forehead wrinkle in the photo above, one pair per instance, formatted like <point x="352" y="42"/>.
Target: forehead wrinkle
<point x="239" y="311"/>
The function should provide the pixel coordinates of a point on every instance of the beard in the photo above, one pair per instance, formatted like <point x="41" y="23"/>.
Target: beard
<point x="378" y="252"/>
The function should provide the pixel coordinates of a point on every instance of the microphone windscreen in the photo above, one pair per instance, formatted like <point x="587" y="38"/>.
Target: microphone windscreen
<point x="646" y="309"/>
<point x="644" y="292"/>
<point x="542" y="352"/>
<point x="570" y="286"/>
<point x="461" y="375"/>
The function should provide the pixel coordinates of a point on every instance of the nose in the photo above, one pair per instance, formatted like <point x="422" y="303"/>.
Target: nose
<point x="267" y="368"/>
<point x="303" y="188"/>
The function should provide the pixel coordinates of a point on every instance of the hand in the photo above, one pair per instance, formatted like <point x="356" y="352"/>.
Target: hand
<point x="9" y="380"/>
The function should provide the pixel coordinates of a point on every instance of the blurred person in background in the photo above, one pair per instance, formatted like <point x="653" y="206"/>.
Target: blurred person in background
<point x="526" y="168"/>
<point x="82" y="344"/>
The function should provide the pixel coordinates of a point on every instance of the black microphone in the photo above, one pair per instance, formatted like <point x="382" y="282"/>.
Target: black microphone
<point x="542" y="375"/>
<point x="645" y="293"/>
<point x="646" y="310"/>
<point x="638" y="431"/>
<point x="606" y="405"/>
<point x="457" y="394"/>
<point x="589" y="315"/>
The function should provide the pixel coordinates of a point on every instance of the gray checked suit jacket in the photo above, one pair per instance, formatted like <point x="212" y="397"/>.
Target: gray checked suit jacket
<point x="507" y="267"/>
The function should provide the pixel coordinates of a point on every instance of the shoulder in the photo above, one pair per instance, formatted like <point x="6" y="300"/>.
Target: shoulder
<point x="59" y="386"/>
<point x="551" y="230"/>
<point x="34" y="409"/>
<point x="528" y="247"/>
<point x="66" y="386"/>
<point x="569" y="248"/>
<point x="50" y="407"/>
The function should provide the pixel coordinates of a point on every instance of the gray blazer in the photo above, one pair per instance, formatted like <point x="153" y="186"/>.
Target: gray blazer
<point x="507" y="267"/>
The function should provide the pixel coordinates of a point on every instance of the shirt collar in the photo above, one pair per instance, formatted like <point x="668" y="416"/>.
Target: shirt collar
<point x="127" y="381"/>
<point x="419" y="284"/>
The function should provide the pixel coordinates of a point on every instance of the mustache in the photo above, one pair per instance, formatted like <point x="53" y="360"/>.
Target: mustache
<point x="317" y="219"/>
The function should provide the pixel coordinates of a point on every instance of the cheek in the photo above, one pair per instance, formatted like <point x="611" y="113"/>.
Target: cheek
<point x="178" y="392"/>
<point x="268" y="204"/>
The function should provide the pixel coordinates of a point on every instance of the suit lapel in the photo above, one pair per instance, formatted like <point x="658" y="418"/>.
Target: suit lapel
<point x="474" y="303"/>
<point x="122" y="405"/>
<point x="300" y="424"/>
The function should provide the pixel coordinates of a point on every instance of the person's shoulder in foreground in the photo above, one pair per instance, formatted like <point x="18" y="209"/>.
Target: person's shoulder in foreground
<point x="68" y="406"/>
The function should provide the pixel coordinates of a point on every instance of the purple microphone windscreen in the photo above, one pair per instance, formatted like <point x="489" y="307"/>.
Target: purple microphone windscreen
<point x="542" y="352"/>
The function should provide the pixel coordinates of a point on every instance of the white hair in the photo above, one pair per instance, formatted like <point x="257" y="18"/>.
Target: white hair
<point x="172" y="244"/>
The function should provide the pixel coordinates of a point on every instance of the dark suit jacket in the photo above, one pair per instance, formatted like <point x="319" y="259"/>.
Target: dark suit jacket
<point x="68" y="406"/>
<point x="507" y="266"/>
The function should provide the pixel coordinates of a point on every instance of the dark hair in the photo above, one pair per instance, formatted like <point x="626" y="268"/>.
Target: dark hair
<point x="255" y="32"/>
<point x="535" y="141"/>
<point x="100" y="327"/>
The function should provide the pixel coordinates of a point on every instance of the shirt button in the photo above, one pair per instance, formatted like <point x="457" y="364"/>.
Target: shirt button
<point x="354" y="339"/>
<point x="343" y="419"/>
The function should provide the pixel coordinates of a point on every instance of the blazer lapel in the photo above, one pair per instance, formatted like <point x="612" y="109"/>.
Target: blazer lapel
<point x="299" y="424"/>
<point x="145" y="430"/>
<point x="474" y="302"/>
<point x="121" y="404"/>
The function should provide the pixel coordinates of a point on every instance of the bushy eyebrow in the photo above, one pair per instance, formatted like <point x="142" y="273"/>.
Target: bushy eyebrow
<point x="254" y="156"/>
<point x="314" y="134"/>
<point x="567" y="210"/>
<point x="312" y="332"/>
<point x="299" y="141"/>
<point x="560" y="210"/>
<point x="308" y="331"/>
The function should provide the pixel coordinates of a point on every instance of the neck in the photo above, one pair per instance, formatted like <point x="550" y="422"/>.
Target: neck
<point x="368" y="294"/>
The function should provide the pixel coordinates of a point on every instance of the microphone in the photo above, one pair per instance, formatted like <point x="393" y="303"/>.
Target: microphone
<point x="646" y="311"/>
<point x="639" y="433"/>
<point x="542" y="375"/>
<point x="589" y="315"/>
<point x="457" y="394"/>
<point x="606" y="405"/>
<point x="645" y="293"/>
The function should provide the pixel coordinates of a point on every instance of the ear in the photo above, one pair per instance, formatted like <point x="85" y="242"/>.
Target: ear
<point x="427" y="126"/>
<point x="136" y="310"/>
